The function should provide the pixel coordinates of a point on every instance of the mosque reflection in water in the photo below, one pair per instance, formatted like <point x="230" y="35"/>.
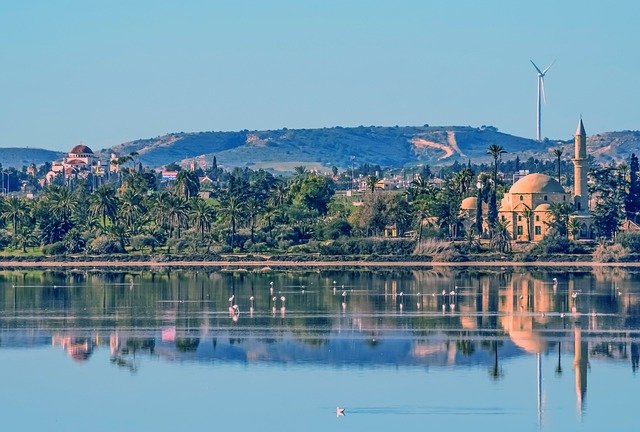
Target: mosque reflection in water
<point x="396" y="318"/>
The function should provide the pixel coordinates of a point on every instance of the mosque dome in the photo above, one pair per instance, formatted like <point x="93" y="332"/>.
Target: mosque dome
<point x="529" y="341"/>
<point x="536" y="183"/>
<point x="544" y="207"/>
<point x="469" y="203"/>
<point x="81" y="149"/>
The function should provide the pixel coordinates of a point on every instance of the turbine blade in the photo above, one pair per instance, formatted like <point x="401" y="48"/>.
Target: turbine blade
<point x="548" y="67"/>
<point x="537" y="68"/>
<point x="544" y="96"/>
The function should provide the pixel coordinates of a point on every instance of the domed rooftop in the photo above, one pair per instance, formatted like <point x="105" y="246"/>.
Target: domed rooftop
<point x="469" y="203"/>
<point x="543" y="207"/>
<point x="81" y="149"/>
<point x="536" y="183"/>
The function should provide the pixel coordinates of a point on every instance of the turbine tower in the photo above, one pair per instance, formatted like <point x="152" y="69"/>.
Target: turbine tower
<point x="541" y="96"/>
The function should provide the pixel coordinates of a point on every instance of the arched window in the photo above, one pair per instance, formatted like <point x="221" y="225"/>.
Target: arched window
<point x="521" y="198"/>
<point x="545" y="197"/>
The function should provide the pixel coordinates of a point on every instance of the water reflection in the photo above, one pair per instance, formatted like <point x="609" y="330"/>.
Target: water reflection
<point x="427" y="318"/>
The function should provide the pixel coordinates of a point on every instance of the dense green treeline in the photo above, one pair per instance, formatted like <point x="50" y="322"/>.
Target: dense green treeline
<point x="254" y="211"/>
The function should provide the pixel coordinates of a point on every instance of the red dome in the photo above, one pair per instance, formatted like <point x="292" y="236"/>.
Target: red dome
<point x="81" y="149"/>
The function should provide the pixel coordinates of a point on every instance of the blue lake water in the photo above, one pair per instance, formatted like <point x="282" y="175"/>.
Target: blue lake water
<point x="441" y="348"/>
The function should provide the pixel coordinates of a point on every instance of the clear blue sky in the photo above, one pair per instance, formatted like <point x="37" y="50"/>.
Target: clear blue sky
<point x="109" y="72"/>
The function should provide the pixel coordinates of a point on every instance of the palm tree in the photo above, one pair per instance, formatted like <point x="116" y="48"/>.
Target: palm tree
<point x="178" y="215"/>
<point x="119" y="231"/>
<point x="462" y="180"/>
<point x="232" y="211"/>
<point x="300" y="170"/>
<point x="202" y="215"/>
<point x="104" y="203"/>
<point x="372" y="182"/>
<point x="161" y="203"/>
<point x="422" y="211"/>
<point x="558" y="154"/>
<point x="421" y="186"/>
<point x="501" y="239"/>
<point x="527" y="213"/>
<point x="23" y="238"/>
<point x="14" y="210"/>
<point x="61" y="201"/>
<point x="187" y="184"/>
<point x="559" y="218"/>
<point x="132" y="209"/>
<point x="254" y="207"/>
<point x="495" y="151"/>
<point x="280" y="194"/>
<point x="573" y="228"/>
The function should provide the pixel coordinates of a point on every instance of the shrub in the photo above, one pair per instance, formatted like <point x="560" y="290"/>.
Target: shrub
<point x="432" y="246"/>
<point x="105" y="245"/>
<point x="630" y="241"/>
<point x="57" y="248"/>
<point x="610" y="253"/>
<point x="257" y="247"/>
<point x="5" y="239"/>
<point x="310" y="247"/>
<point x="74" y="242"/>
<point x="334" y="229"/>
<point x="557" y="245"/>
<point x="177" y="245"/>
<point x="367" y="246"/>
<point x="139" y="242"/>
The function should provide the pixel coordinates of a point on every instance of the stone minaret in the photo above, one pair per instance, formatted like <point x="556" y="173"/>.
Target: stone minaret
<point x="580" y="170"/>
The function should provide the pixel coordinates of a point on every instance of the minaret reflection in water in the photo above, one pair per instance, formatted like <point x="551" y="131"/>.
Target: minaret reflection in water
<point x="496" y="317"/>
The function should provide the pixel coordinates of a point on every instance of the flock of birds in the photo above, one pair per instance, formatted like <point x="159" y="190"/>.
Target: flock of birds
<point x="449" y="297"/>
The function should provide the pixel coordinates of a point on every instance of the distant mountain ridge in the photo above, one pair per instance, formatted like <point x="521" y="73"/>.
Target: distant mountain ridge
<point x="394" y="146"/>
<point x="388" y="146"/>
<point x="17" y="157"/>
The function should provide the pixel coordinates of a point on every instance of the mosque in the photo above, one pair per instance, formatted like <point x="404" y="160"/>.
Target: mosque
<point x="526" y="206"/>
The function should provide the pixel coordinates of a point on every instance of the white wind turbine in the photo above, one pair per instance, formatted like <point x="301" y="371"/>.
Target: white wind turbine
<point x="541" y="96"/>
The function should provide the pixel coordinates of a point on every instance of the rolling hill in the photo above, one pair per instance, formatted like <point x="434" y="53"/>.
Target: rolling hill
<point x="397" y="146"/>
<point x="284" y="148"/>
<point x="17" y="157"/>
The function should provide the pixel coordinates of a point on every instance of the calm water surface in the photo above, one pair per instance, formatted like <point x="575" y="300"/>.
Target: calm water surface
<point x="429" y="349"/>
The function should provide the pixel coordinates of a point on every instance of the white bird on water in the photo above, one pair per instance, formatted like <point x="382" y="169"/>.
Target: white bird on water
<point x="340" y="412"/>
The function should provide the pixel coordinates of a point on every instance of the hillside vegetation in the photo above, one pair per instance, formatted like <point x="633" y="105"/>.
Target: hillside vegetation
<point x="17" y="157"/>
<point x="386" y="146"/>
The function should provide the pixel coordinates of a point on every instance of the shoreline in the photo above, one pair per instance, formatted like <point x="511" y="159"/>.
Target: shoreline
<point x="306" y="264"/>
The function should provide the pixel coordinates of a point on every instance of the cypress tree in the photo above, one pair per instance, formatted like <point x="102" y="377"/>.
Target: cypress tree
<point x="632" y="201"/>
<point x="479" y="212"/>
